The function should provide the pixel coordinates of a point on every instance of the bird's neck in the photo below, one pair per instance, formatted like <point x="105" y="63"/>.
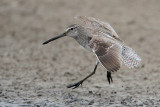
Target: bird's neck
<point x="83" y="39"/>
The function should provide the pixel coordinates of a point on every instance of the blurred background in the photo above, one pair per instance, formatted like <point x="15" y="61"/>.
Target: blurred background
<point x="33" y="74"/>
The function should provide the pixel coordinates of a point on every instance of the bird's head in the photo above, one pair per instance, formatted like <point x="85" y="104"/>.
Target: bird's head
<point x="71" y="31"/>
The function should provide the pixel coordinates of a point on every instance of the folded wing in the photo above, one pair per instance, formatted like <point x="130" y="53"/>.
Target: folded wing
<point x="97" y="26"/>
<point x="108" y="53"/>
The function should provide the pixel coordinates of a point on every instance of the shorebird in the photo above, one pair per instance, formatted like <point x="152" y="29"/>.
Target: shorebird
<point x="101" y="39"/>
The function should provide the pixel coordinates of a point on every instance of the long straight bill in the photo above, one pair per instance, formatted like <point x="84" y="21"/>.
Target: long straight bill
<point x="54" y="38"/>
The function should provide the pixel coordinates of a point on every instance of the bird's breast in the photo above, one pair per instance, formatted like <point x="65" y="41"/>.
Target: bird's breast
<point x="85" y="43"/>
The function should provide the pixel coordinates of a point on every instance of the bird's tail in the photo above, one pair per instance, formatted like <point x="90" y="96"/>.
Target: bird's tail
<point x="129" y="57"/>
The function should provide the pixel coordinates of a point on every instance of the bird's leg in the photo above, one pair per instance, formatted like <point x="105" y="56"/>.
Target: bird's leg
<point x="109" y="77"/>
<point x="75" y="85"/>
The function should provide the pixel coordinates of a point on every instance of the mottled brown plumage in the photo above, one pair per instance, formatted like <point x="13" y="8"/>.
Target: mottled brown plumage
<point x="99" y="37"/>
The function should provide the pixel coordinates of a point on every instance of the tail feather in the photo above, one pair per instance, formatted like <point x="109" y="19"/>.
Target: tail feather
<point x="129" y="57"/>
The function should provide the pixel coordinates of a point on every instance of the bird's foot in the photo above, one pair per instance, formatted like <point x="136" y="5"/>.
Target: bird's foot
<point x="75" y="85"/>
<point x="109" y="77"/>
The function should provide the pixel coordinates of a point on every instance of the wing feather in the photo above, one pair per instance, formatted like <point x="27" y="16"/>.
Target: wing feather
<point x="97" y="26"/>
<point x="108" y="54"/>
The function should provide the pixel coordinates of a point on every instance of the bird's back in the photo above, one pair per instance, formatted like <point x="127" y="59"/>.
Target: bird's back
<point x="108" y="47"/>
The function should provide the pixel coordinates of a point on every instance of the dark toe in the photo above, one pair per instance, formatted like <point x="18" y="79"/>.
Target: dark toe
<point x="75" y="85"/>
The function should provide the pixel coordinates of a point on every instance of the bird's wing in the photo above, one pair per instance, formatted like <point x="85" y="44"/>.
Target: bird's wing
<point x="97" y="26"/>
<point x="108" y="52"/>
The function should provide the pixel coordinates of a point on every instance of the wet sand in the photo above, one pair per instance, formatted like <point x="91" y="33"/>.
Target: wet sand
<point x="35" y="75"/>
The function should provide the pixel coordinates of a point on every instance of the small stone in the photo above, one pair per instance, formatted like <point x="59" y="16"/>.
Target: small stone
<point x="91" y="92"/>
<point x="39" y="95"/>
<point x="139" y="103"/>
<point x="145" y="78"/>
<point x="68" y="74"/>
<point x="91" y="102"/>
<point x="146" y="103"/>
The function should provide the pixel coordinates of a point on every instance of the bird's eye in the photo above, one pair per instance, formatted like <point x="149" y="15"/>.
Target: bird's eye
<point x="71" y="28"/>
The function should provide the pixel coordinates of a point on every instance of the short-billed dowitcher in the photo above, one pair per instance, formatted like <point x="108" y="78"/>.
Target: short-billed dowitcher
<point x="101" y="39"/>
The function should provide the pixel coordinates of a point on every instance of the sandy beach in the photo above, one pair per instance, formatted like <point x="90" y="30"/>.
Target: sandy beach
<point x="32" y="74"/>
